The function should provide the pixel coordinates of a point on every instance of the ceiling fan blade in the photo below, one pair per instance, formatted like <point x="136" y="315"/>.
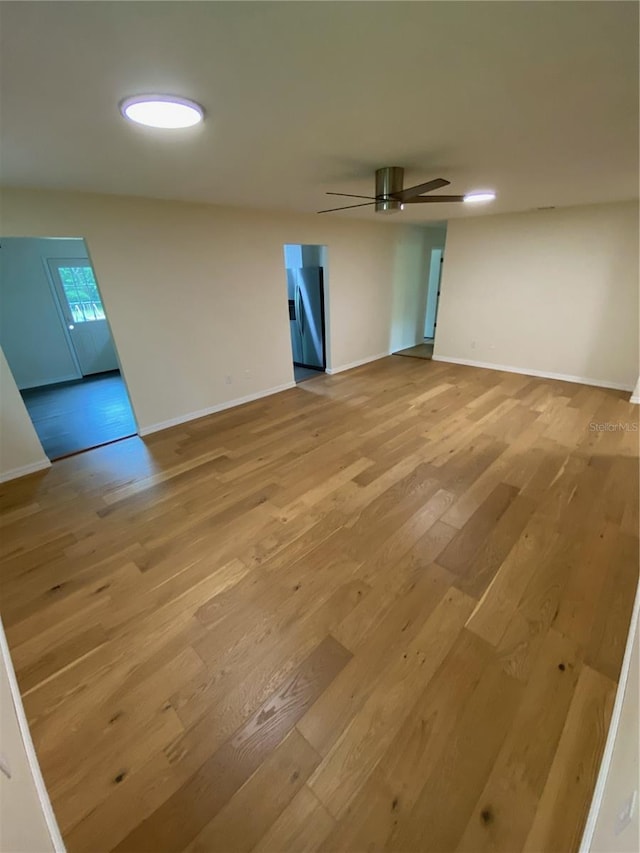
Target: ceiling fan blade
<point x="349" y="195"/>
<point x="426" y="199"/>
<point x="419" y="189"/>
<point x="348" y="207"/>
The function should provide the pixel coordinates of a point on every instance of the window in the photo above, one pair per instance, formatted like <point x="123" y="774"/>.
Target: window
<point x="81" y="292"/>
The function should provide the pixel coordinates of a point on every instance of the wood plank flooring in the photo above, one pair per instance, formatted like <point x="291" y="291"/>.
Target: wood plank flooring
<point x="73" y="416"/>
<point x="383" y="611"/>
<point x="424" y="350"/>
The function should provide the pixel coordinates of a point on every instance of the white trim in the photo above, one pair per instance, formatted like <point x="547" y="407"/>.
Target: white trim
<point x="634" y="399"/>
<point x="24" y="470"/>
<point x="211" y="410"/>
<point x="543" y="374"/>
<point x="359" y="363"/>
<point x="607" y="755"/>
<point x="32" y="758"/>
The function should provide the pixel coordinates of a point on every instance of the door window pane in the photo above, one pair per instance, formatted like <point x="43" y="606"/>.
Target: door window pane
<point x="81" y="293"/>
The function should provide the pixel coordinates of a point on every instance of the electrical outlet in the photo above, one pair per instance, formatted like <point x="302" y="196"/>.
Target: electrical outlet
<point x="473" y="344"/>
<point x="626" y="813"/>
<point x="228" y="380"/>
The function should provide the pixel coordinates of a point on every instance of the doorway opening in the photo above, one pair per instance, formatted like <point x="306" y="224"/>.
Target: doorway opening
<point x="433" y="295"/>
<point x="57" y="341"/>
<point x="305" y="267"/>
<point x="420" y="309"/>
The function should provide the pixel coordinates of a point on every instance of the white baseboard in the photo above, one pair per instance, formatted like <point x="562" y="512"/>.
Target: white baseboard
<point x="32" y="759"/>
<point x="607" y="755"/>
<point x="69" y="377"/>
<point x="635" y="400"/>
<point x="24" y="470"/>
<point x="358" y="363"/>
<point x="543" y="374"/>
<point x="219" y="407"/>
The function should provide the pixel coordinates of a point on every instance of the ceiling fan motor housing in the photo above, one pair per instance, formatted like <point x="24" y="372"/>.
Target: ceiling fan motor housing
<point x="389" y="180"/>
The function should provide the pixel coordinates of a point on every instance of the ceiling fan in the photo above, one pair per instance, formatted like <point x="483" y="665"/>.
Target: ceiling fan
<point x="390" y="195"/>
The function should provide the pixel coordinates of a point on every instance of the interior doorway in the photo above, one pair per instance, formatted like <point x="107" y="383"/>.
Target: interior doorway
<point x="305" y="267"/>
<point x="420" y="313"/>
<point x="57" y="341"/>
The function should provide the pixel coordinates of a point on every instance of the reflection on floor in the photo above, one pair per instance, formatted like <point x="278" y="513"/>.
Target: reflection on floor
<point x="74" y="416"/>
<point x="301" y="374"/>
<point x="419" y="351"/>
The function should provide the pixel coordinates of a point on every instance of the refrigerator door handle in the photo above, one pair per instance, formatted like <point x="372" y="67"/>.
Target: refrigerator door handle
<point x="299" y="311"/>
<point x="302" y="323"/>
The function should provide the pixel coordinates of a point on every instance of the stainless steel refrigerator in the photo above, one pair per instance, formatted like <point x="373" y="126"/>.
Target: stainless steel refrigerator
<point x="306" y="315"/>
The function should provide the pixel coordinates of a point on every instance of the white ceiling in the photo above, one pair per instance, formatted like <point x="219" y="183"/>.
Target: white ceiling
<point x="538" y="100"/>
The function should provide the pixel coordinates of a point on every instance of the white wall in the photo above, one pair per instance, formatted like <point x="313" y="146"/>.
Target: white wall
<point x="195" y="293"/>
<point x="20" y="448"/>
<point x="32" y="333"/>
<point x="553" y="291"/>
<point x="620" y="771"/>
<point x="27" y="823"/>
<point x="412" y="265"/>
<point x="292" y="257"/>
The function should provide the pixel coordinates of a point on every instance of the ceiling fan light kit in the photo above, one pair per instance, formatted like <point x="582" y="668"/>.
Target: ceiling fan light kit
<point x="390" y="196"/>
<point x="479" y="197"/>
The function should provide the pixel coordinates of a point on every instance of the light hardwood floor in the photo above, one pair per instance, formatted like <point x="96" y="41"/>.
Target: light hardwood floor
<point x="384" y="610"/>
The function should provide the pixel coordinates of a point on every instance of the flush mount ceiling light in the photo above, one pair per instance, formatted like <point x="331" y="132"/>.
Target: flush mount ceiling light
<point x="477" y="197"/>
<point x="164" y="111"/>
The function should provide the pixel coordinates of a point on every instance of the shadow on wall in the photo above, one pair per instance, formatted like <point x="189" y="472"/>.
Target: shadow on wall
<point x="608" y="315"/>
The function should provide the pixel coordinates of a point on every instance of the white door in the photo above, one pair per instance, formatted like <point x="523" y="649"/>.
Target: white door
<point x="81" y="305"/>
<point x="433" y="293"/>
